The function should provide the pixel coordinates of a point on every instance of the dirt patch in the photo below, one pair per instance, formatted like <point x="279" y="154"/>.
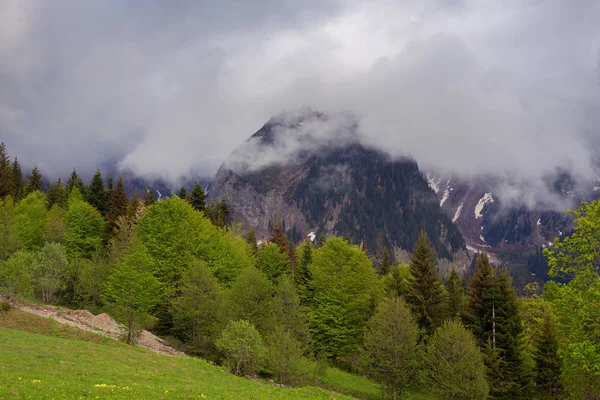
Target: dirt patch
<point x="101" y="324"/>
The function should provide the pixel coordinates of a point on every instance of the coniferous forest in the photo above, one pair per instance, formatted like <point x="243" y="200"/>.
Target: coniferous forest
<point x="182" y="269"/>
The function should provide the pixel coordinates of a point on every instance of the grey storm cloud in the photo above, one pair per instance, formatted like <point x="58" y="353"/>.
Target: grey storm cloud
<point x="165" y="89"/>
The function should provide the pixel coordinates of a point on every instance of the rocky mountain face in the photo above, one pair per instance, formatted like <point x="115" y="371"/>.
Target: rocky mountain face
<point x="312" y="172"/>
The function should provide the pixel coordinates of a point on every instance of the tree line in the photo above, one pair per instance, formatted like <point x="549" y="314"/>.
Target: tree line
<point x="181" y="269"/>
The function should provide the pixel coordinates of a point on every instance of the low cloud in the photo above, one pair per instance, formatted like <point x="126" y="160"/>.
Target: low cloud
<point x="508" y="89"/>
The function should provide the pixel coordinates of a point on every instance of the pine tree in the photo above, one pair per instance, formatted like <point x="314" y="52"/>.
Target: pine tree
<point x="426" y="292"/>
<point x="321" y="240"/>
<point x="109" y="185"/>
<point x="456" y="296"/>
<point x="35" y="180"/>
<point x="96" y="194"/>
<point x="183" y="194"/>
<point x="251" y="239"/>
<point x="385" y="262"/>
<point x="223" y="213"/>
<point x="75" y="181"/>
<point x="57" y="194"/>
<point x="17" y="180"/>
<point x="6" y="178"/>
<point x="278" y="237"/>
<point x="119" y="204"/>
<point x="149" y="197"/>
<point x="547" y="361"/>
<point x="480" y="307"/>
<point x="198" y="198"/>
<point x="303" y="276"/>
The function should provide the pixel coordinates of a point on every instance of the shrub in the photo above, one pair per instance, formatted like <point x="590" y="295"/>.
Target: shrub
<point x="285" y="360"/>
<point x="242" y="346"/>
<point x="4" y="306"/>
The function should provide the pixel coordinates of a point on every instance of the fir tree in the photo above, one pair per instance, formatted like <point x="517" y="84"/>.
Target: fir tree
<point x="223" y="213"/>
<point x="278" y="237"/>
<point x="321" y="240"/>
<point x="251" y="239"/>
<point x="96" y="194"/>
<point x="75" y="181"/>
<point x="57" y="194"/>
<point x="119" y="204"/>
<point x="426" y="291"/>
<point x="183" y="194"/>
<point x="386" y="262"/>
<point x="109" y="184"/>
<point x="35" y="180"/>
<point x="456" y="296"/>
<point x="6" y="178"/>
<point x="17" y="180"/>
<point x="149" y="197"/>
<point x="547" y="361"/>
<point x="198" y="198"/>
<point x="303" y="276"/>
<point x="480" y="307"/>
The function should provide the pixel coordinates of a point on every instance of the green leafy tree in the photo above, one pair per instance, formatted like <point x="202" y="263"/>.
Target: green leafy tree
<point x="57" y="194"/>
<point x="345" y="286"/>
<point x="453" y="364"/>
<point x="131" y="288"/>
<point x="390" y="353"/>
<point x="456" y="295"/>
<point x="272" y="262"/>
<point x="16" y="275"/>
<point x="50" y="270"/>
<point x="251" y="239"/>
<point x="96" y="193"/>
<point x="56" y="225"/>
<point x="196" y="309"/>
<point x="426" y="294"/>
<point x="243" y="347"/>
<point x="34" y="180"/>
<point x="285" y="359"/>
<point x="198" y="198"/>
<point x="9" y="236"/>
<point x="90" y="276"/>
<point x="84" y="233"/>
<point x="30" y="221"/>
<point x="118" y="206"/>
<point x="249" y="298"/>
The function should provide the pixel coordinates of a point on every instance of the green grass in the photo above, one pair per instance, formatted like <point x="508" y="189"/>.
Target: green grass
<point x="43" y="367"/>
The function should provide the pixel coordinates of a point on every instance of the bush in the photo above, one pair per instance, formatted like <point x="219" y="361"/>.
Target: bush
<point x="242" y="346"/>
<point x="285" y="360"/>
<point x="4" y="306"/>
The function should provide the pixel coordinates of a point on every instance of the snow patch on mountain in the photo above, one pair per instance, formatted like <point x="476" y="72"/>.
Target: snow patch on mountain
<point x="539" y="221"/>
<point x="312" y="236"/>
<point x="486" y="199"/>
<point x="447" y="191"/>
<point x="457" y="213"/>
<point x="434" y="183"/>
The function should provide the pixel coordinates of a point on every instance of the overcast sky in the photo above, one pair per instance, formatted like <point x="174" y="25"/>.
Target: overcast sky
<point x="169" y="87"/>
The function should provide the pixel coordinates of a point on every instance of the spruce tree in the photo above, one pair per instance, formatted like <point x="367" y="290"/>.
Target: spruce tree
<point x="426" y="292"/>
<point x="183" y="194"/>
<point x="480" y="307"/>
<point x="6" y="178"/>
<point x="456" y="296"/>
<point x="303" y="276"/>
<point x="251" y="239"/>
<point x="57" y="194"/>
<point x="35" y="180"/>
<point x="149" y="197"/>
<point x="386" y="262"/>
<point x="223" y="213"/>
<point x="278" y="237"/>
<point x="96" y="194"/>
<point x="547" y="361"/>
<point x="198" y="198"/>
<point x="17" y="180"/>
<point x="75" y="181"/>
<point x="119" y="204"/>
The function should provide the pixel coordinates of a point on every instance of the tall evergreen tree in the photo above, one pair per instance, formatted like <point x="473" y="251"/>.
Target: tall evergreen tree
<point x="223" y="213"/>
<point x="386" y="262"/>
<point x="426" y="293"/>
<point x="480" y="306"/>
<point x="119" y="204"/>
<point x="198" y="198"/>
<point x="149" y="197"/>
<point x="75" y="181"/>
<point x="96" y="193"/>
<point x="17" y="180"/>
<point x="183" y="194"/>
<point x="303" y="276"/>
<point x="57" y="194"/>
<point x="547" y="361"/>
<point x="6" y="178"/>
<point x="456" y="296"/>
<point x="278" y="237"/>
<point x="35" y="180"/>
<point x="251" y="240"/>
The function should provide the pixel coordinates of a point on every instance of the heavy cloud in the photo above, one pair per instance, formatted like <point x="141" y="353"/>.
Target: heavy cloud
<point x="468" y="87"/>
